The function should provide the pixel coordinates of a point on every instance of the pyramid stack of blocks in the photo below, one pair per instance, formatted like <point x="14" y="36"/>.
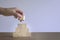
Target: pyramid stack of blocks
<point x="22" y="31"/>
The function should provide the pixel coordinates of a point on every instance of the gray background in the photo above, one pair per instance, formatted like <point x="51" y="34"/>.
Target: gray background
<point x="41" y="15"/>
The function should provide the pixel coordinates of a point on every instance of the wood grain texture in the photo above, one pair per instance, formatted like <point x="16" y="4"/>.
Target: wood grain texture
<point x="34" y="36"/>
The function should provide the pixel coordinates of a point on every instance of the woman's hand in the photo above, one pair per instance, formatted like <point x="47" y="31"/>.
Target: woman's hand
<point x="12" y="12"/>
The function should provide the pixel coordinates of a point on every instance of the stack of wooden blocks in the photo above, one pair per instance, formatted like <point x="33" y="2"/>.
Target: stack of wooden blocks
<point x="22" y="31"/>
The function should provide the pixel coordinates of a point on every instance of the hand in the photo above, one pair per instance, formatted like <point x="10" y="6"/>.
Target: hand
<point x="12" y="12"/>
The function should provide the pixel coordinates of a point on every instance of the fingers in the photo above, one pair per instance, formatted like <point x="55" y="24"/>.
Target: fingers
<point x="21" y="13"/>
<point x="18" y="14"/>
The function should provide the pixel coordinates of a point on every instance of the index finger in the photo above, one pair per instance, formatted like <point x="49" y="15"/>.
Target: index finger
<point x="20" y="12"/>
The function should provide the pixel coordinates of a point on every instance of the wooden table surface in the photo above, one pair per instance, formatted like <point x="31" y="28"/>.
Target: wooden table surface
<point x="34" y="36"/>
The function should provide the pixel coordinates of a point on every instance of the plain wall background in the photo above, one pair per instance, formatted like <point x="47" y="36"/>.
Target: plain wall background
<point x="41" y="15"/>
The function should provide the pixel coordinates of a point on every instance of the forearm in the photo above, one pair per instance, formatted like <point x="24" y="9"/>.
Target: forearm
<point x="2" y="10"/>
